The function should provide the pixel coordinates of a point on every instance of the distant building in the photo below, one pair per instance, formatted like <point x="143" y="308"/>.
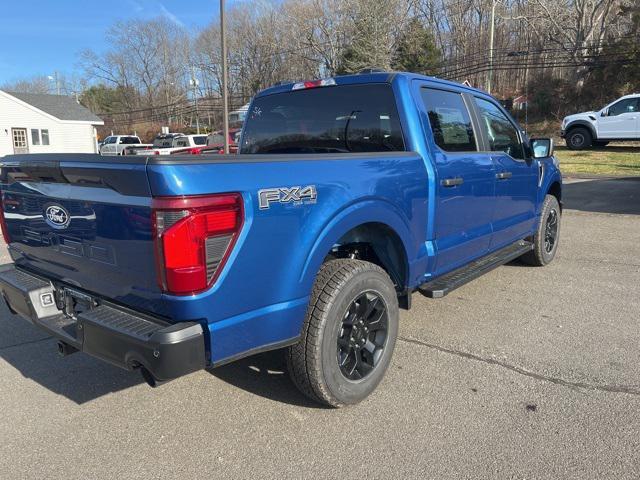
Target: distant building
<point x="521" y="102"/>
<point x="236" y="117"/>
<point x="40" y="123"/>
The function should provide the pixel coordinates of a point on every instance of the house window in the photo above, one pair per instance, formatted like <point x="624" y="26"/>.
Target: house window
<point x="45" y="137"/>
<point x="35" y="136"/>
<point x="19" y="138"/>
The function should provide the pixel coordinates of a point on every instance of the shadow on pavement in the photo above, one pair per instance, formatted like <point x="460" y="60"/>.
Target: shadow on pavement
<point x="78" y="377"/>
<point x="609" y="195"/>
<point x="264" y="375"/>
<point x="82" y="378"/>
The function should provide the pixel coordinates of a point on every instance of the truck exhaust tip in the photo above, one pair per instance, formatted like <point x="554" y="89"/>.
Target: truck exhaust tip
<point x="148" y="377"/>
<point x="65" y="349"/>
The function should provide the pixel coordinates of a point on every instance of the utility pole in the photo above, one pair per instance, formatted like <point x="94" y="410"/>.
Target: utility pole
<point x="194" y="82"/>
<point x="491" y="40"/>
<point x="54" y="78"/>
<point x="225" y="98"/>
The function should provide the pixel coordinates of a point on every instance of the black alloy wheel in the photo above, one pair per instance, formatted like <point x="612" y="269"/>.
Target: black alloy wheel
<point x="363" y="336"/>
<point x="551" y="231"/>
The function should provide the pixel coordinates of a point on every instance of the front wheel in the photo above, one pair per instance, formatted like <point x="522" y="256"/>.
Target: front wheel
<point x="579" y="138"/>
<point x="545" y="241"/>
<point x="348" y="335"/>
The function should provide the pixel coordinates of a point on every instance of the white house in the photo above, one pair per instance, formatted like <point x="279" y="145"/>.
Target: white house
<point x="39" y="123"/>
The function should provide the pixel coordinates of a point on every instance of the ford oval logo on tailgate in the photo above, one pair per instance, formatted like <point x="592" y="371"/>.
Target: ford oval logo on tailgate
<point x="57" y="216"/>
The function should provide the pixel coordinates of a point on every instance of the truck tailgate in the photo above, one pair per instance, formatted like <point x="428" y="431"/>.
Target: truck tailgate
<point x="85" y="221"/>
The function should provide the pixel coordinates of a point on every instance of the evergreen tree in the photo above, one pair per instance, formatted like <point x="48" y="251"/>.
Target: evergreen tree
<point x="416" y="51"/>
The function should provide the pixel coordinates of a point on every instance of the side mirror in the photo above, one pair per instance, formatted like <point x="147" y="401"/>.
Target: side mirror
<point x="542" y="147"/>
<point x="605" y="112"/>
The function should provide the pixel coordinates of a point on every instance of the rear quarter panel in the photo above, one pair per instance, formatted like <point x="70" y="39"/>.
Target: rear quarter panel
<point x="261" y="296"/>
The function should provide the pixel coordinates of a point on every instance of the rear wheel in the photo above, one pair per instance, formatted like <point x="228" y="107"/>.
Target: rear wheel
<point x="349" y="333"/>
<point x="545" y="242"/>
<point x="579" y="138"/>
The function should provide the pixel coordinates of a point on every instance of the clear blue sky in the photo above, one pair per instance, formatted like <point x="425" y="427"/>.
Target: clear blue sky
<point x="39" y="37"/>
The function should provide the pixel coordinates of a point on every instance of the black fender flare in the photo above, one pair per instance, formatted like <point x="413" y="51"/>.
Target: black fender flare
<point x="581" y="123"/>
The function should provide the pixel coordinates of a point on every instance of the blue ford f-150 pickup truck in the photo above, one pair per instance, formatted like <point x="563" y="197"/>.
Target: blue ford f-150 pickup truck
<point x="348" y="195"/>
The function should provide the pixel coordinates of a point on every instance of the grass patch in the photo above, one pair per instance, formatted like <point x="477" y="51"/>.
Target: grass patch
<point x="610" y="160"/>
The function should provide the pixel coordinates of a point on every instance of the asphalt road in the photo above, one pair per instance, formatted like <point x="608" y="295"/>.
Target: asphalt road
<point x="526" y="373"/>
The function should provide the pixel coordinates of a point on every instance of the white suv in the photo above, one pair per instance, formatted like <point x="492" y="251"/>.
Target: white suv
<point x="618" y="121"/>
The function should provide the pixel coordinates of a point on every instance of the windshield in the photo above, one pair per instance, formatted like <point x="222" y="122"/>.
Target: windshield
<point x="348" y="118"/>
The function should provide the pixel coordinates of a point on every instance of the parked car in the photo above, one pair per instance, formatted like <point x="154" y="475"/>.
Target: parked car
<point x="161" y="141"/>
<point x="165" y="140"/>
<point x="619" y="121"/>
<point x="142" y="149"/>
<point x="347" y="195"/>
<point x="216" y="139"/>
<point x="177" y="142"/>
<point x="119" y="144"/>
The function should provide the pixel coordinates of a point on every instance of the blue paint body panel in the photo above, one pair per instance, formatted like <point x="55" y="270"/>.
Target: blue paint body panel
<point x="261" y="295"/>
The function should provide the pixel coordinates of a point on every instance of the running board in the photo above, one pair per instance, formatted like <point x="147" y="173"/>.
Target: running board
<point x="441" y="286"/>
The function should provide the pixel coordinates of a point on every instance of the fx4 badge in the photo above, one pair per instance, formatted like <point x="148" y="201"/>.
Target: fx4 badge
<point x="294" y="195"/>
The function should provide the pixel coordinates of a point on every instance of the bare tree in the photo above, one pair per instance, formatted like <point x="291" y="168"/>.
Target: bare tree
<point x="145" y="58"/>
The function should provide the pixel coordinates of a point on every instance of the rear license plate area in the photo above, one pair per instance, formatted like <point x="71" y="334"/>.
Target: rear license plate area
<point x="74" y="302"/>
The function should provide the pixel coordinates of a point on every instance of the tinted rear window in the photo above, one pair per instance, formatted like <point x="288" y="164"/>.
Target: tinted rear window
<point x="200" y="140"/>
<point x="348" y="118"/>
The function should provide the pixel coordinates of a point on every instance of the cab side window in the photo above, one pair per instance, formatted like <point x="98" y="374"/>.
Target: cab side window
<point x="450" y="121"/>
<point x="629" y="105"/>
<point x="502" y="134"/>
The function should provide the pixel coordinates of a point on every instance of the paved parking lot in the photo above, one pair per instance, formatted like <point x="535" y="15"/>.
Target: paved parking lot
<point x="525" y="373"/>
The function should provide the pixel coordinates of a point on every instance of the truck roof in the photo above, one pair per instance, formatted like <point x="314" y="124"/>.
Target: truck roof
<point x="374" y="77"/>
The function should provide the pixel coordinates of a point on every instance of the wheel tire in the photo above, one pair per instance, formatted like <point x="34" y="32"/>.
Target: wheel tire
<point x="579" y="138"/>
<point x="549" y="226"/>
<point x="600" y="144"/>
<point x="342" y="288"/>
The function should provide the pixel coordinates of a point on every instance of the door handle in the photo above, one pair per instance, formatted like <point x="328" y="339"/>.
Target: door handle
<point x="504" y="175"/>
<point x="452" y="182"/>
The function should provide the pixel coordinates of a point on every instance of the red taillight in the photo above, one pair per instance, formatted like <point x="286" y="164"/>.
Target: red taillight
<point x="3" y="221"/>
<point x="194" y="237"/>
